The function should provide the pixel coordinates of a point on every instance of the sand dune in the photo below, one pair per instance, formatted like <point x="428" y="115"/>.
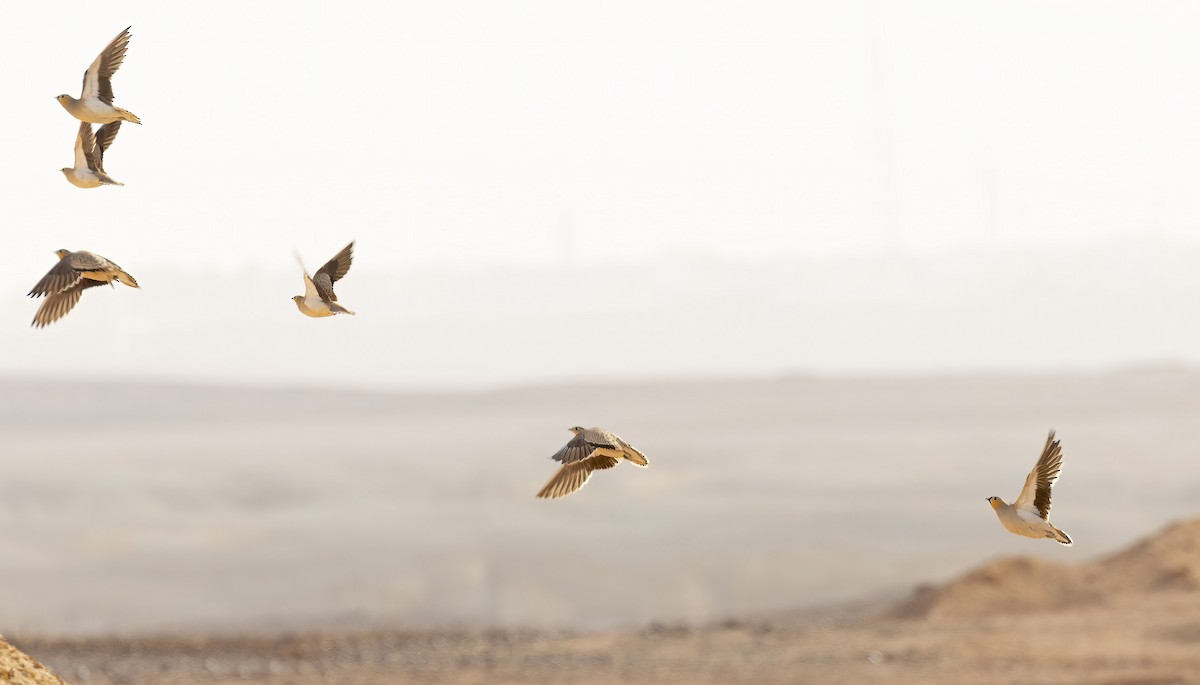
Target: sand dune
<point x="1166" y="562"/>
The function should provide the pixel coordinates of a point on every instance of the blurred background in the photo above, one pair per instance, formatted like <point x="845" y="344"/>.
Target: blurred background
<point x="836" y="268"/>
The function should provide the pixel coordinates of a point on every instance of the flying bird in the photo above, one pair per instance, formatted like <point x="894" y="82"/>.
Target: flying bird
<point x="319" y="299"/>
<point x="589" y="450"/>
<point x="65" y="282"/>
<point x="95" y="102"/>
<point x="1029" y="515"/>
<point x="89" y="156"/>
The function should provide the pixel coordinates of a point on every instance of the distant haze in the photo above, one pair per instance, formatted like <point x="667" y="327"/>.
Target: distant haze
<point x="1120" y="304"/>
<point x="156" y="507"/>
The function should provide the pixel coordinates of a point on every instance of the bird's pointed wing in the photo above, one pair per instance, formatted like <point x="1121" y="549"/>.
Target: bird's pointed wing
<point x="60" y="304"/>
<point x="59" y="278"/>
<point x="310" y="290"/>
<point x="572" y="476"/>
<point x="104" y="139"/>
<point x="97" y="80"/>
<point x="338" y="266"/>
<point x="84" y="141"/>
<point x="1035" y="496"/>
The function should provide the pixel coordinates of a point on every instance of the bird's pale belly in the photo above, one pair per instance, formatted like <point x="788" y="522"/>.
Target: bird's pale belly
<point x="314" y="311"/>
<point x="92" y="111"/>
<point x="83" y="180"/>
<point x="1021" y="526"/>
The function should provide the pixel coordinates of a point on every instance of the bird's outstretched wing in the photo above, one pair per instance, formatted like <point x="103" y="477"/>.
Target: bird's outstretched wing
<point x="97" y="80"/>
<point x="59" y="278"/>
<point x="84" y="141"/>
<point x="310" y="290"/>
<point x="1035" y="495"/>
<point x="572" y="476"/>
<point x="339" y="265"/>
<point x="104" y="139"/>
<point x="60" y="304"/>
<point x="334" y="269"/>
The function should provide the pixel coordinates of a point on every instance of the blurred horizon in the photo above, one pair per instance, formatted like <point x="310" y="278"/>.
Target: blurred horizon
<point x="1019" y="310"/>
<point x="150" y="508"/>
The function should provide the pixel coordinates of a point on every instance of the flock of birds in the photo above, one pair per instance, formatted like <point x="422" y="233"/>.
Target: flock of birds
<point x="590" y="450"/>
<point x="77" y="271"/>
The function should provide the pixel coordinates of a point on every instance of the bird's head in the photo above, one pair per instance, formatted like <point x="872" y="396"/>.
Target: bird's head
<point x="66" y="171"/>
<point x="576" y="429"/>
<point x="63" y="99"/>
<point x="297" y="299"/>
<point x="996" y="502"/>
<point x="62" y="253"/>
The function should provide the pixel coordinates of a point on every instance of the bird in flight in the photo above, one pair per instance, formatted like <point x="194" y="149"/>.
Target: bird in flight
<point x="1029" y="515"/>
<point x="88" y="171"/>
<point x="319" y="299"/>
<point x="589" y="450"/>
<point x="95" y="102"/>
<point x="65" y="282"/>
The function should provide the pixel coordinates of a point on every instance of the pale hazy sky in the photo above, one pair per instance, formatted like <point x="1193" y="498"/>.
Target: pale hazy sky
<point x="467" y="134"/>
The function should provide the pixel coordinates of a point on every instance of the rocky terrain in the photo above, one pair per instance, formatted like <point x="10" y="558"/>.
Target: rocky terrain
<point x="17" y="668"/>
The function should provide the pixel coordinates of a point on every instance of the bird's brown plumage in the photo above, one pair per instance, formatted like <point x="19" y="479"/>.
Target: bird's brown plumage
<point x="1040" y="481"/>
<point x="106" y="64"/>
<point x="590" y="449"/>
<point x="333" y="270"/>
<point x="65" y="282"/>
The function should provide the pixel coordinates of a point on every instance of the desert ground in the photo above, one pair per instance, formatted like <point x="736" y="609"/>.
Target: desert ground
<point x="1126" y="619"/>
<point x="209" y="534"/>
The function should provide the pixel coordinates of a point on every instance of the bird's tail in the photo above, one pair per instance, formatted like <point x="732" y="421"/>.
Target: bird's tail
<point x="129" y="116"/>
<point x="636" y="457"/>
<point x="127" y="279"/>
<point x="335" y="307"/>
<point x="1061" y="537"/>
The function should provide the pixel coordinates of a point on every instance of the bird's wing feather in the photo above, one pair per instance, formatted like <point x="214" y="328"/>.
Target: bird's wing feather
<point x="580" y="448"/>
<point x="1035" y="496"/>
<point x="87" y="261"/>
<point x="89" y="146"/>
<point x="310" y="290"/>
<point x="97" y="80"/>
<point x="104" y="139"/>
<point x="60" y="304"/>
<point x="83" y="146"/>
<point x="339" y="265"/>
<point x="324" y="286"/>
<point x="59" y="278"/>
<point x="572" y="476"/>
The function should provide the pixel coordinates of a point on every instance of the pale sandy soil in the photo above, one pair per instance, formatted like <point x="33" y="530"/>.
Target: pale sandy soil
<point x="1143" y="642"/>
<point x="1129" y="619"/>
